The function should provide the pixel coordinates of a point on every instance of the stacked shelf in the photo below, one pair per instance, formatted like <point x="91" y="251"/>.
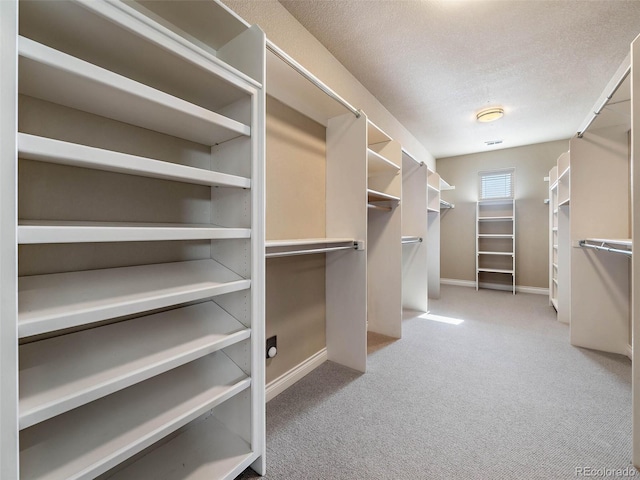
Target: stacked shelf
<point x="433" y="192"/>
<point x="553" y="237"/>
<point x="564" y="180"/>
<point x="495" y="242"/>
<point x="384" y="224"/>
<point x="119" y="352"/>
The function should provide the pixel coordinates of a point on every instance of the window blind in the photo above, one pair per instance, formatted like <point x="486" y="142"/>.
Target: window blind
<point x="496" y="184"/>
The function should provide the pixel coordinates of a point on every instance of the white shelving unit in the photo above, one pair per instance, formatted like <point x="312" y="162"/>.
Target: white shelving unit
<point x="496" y="243"/>
<point x="138" y="321"/>
<point x="553" y="238"/>
<point x="433" y="233"/>
<point x="384" y="232"/>
<point x="415" y="282"/>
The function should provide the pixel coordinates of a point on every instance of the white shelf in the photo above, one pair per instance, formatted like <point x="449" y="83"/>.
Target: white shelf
<point x="379" y="164"/>
<point x="510" y="254"/>
<point x="563" y="176"/>
<point x="375" y="196"/>
<point x="624" y="242"/>
<point x="495" y="270"/>
<point x="433" y="210"/>
<point x="432" y="188"/>
<point x="495" y="219"/>
<point x="42" y="149"/>
<point x="301" y="242"/>
<point x="62" y="300"/>
<point x="375" y="134"/>
<point x="32" y="232"/>
<point x="554" y="265"/>
<point x="554" y="302"/>
<point x="91" y="439"/>
<point x="65" y="372"/>
<point x="564" y="202"/>
<point x="56" y="77"/>
<point x="495" y="235"/>
<point x="496" y="201"/>
<point x="555" y="280"/>
<point x="207" y="450"/>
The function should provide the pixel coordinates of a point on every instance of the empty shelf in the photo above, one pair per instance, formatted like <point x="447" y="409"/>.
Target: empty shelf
<point x="375" y="196"/>
<point x="299" y="242"/>
<point x="56" y="301"/>
<point x="56" y="77"/>
<point x="62" y="373"/>
<point x="495" y="235"/>
<point x="495" y="219"/>
<point x="564" y="202"/>
<point x="30" y="232"/>
<point x="495" y="270"/>
<point x="379" y="164"/>
<point x="91" y="439"/>
<point x="433" y="210"/>
<point x="207" y="449"/>
<point x="32" y="147"/>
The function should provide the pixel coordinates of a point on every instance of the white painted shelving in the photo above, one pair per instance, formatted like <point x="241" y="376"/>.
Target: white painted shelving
<point x="138" y="169"/>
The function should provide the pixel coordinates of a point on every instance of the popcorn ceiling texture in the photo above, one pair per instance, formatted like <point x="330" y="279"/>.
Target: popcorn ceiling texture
<point x="433" y="64"/>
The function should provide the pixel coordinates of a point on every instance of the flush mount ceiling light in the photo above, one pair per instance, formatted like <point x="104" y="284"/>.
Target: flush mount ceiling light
<point x="490" y="114"/>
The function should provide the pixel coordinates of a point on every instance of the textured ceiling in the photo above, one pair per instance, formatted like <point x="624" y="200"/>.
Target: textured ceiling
<point x="434" y="63"/>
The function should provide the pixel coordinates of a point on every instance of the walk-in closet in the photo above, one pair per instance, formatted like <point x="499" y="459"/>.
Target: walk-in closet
<point x="286" y="239"/>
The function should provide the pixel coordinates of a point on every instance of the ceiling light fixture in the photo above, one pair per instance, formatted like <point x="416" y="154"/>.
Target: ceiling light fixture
<point x="490" y="114"/>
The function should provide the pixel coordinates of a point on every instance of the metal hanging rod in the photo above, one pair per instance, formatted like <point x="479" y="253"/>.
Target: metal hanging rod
<point x="584" y="244"/>
<point x="408" y="240"/>
<point x="446" y="204"/>
<point x="312" y="78"/>
<point x="606" y="100"/>
<point x="420" y="164"/>
<point x="312" y="251"/>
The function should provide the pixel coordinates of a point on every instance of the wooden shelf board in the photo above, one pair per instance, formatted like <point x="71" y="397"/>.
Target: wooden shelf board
<point x="91" y="439"/>
<point x="34" y="232"/>
<point x="62" y="300"/>
<point x="206" y="449"/>
<point x="65" y="372"/>
<point x="495" y="270"/>
<point x="42" y="149"/>
<point x="375" y="196"/>
<point x="379" y="164"/>
<point x="56" y="77"/>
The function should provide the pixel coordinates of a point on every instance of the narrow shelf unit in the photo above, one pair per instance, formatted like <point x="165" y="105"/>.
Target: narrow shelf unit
<point x="139" y="231"/>
<point x="415" y="239"/>
<point x="553" y="237"/>
<point x="434" y="183"/>
<point x="496" y="244"/>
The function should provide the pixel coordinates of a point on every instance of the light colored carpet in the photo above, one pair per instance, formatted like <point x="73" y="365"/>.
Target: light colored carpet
<point x="500" y="396"/>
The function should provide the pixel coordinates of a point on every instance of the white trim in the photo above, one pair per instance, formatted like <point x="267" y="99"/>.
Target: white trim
<point x="284" y="381"/>
<point x="630" y="352"/>
<point x="495" y="286"/>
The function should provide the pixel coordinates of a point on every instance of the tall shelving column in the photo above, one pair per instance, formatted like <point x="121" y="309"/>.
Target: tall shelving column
<point x="553" y="237"/>
<point x="414" y="235"/>
<point x="149" y="226"/>
<point x="563" y="238"/>
<point x="496" y="243"/>
<point x="384" y="232"/>
<point x="433" y="233"/>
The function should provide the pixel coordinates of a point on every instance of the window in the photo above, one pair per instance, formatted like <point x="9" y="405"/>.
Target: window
<point x="496" y="184"/>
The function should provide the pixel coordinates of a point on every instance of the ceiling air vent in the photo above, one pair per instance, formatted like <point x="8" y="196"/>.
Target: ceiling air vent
<point x="493" y="142"/>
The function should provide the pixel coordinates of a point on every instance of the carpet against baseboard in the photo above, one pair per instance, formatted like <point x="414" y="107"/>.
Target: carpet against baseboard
<point x="500" y="395"/>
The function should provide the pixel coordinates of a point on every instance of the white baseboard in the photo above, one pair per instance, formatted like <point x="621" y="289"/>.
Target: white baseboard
<point x="494" y="286"/>
<point x="284" y="381"/>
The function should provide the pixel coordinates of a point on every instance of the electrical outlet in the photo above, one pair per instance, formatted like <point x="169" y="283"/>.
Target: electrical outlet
<point x="272" y="347"/>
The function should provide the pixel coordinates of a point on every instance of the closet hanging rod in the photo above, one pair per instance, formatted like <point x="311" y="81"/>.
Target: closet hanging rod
<point x="312" y="78"/>
<point x="446" y="204"/>
<point x="408" y="240"/>
<point x="421" y="164"/>
<point x="606" y="100"/>
<point x="584" y="244"/>
<point x="291" y="253"/>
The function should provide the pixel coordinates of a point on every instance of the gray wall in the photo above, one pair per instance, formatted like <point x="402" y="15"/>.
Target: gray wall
<point x="532" y="163"/>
